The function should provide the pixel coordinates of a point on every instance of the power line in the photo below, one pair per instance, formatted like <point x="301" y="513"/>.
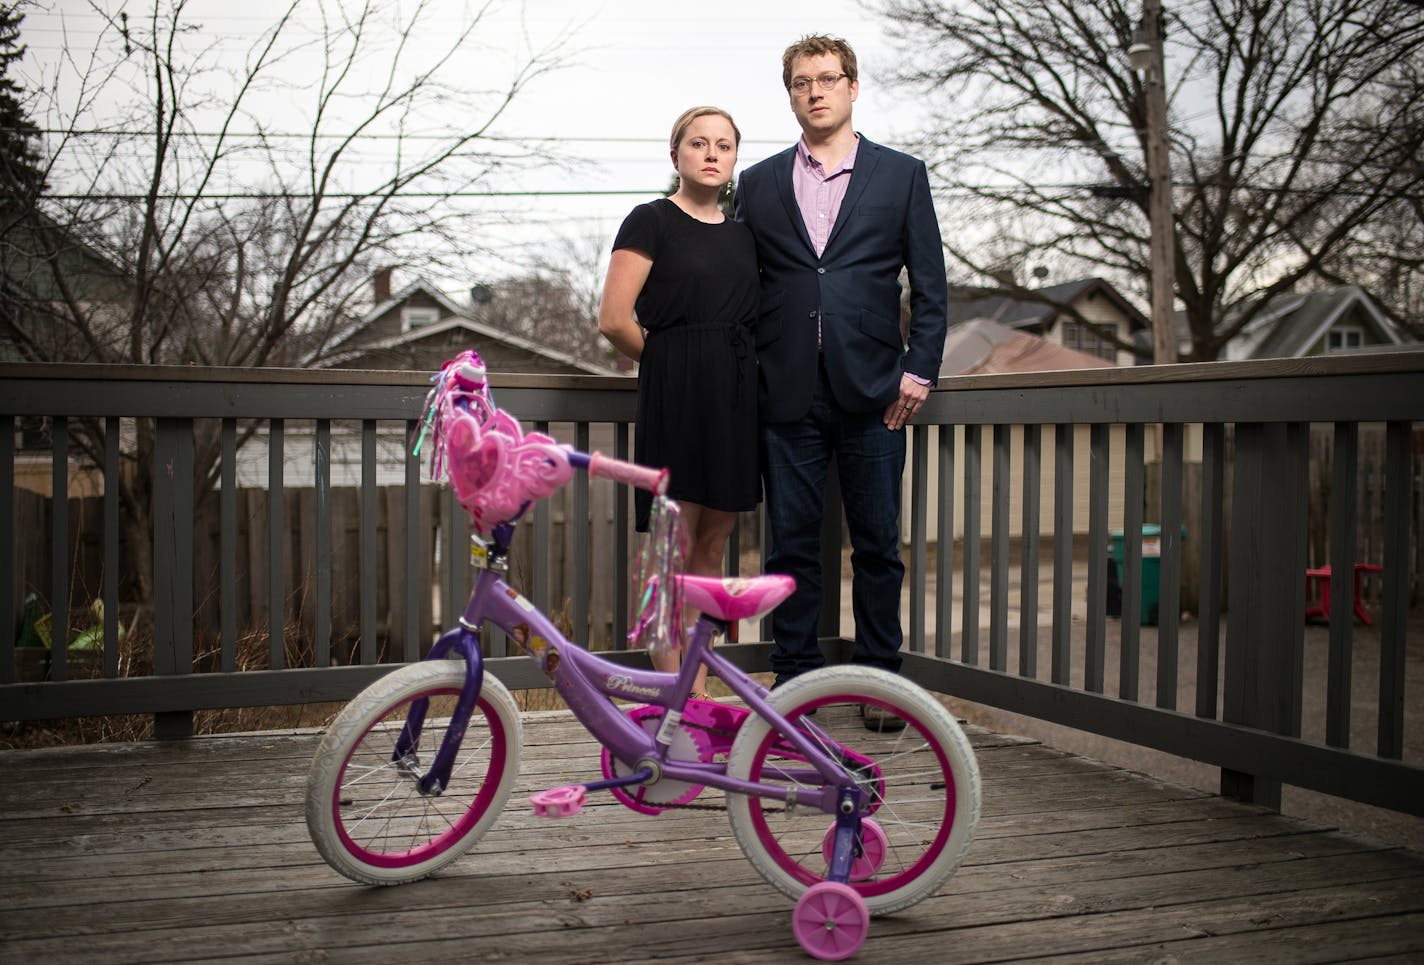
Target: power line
<point x="945" y="191"/>
<point x="372" y="136"/>
<point x="340" y="195"/>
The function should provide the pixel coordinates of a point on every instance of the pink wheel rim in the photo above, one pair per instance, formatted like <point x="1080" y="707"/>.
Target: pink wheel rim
<point x="830" y="921"/>
<point x="872" y="888"/>
<point x="478" y="806"/>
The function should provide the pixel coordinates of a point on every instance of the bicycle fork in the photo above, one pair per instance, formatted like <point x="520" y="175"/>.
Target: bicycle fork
<point x="847" y="846"/>
<point x="466" y="642"/>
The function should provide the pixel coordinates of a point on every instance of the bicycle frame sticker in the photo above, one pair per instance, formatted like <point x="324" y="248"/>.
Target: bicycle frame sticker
<point x="623" y="685"/>
<point x="671" y="720"/>
<point x="537" y="647"/>
<point x="519" y="600"/>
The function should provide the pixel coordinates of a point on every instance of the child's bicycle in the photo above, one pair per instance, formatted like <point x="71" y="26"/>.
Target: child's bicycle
<point x="847" y="820"/>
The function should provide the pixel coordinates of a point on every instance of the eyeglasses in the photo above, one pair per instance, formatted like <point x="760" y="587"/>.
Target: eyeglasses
<point x="802" y="85"/>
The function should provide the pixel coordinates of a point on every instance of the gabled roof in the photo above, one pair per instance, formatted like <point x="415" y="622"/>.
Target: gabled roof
<point x="1041" y="312"/>
<point x="982" y="347"/>
<point x="478" y="329"/>
<point x="419" y="285"/>
<point x="1291" y="323"/>
<point x="457" y="317"/>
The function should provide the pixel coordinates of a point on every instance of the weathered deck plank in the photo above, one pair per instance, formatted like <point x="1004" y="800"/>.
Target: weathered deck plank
<point x="197" y="851"/>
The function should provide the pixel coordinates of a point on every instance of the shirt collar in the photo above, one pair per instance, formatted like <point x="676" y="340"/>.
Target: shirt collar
<point x="808" y="159"/>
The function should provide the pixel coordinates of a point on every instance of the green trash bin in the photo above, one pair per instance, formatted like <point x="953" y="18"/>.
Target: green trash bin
<point x="1151" y="591"/>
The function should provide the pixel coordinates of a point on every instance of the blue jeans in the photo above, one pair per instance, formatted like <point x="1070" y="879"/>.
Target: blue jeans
<point x="870" y="460"/>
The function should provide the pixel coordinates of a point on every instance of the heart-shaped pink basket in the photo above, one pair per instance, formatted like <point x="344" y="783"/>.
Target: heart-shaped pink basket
<point x="497" y="470"/>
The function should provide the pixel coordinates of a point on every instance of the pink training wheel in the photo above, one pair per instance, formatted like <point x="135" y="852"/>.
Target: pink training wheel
<point x="830" y="921"/>
<point x="558" y="802"/>
<point x="873" y="847"/>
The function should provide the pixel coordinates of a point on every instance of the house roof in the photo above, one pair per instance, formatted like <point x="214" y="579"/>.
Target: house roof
<point x="1291" y="323"/>
<point x="457" y="317"/>
<point x="1040" y="311"/>
<point x="982" y="347"/>
<point x="419" y="286"/>
<point x="38" y="250"/>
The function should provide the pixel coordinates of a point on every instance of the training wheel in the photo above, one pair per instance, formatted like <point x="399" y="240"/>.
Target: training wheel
<point x="873" y="847"/>
<point x="830" y="921"/>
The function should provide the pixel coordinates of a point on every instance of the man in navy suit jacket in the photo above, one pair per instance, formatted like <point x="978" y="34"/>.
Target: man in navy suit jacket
<point x="836" y="217"/>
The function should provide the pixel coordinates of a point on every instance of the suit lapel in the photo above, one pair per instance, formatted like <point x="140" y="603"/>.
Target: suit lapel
<point x="784" y="162"/>
<point x="867" y="156"/>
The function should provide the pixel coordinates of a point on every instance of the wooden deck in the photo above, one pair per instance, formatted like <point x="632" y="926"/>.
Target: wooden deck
<point x="198" y="851"/>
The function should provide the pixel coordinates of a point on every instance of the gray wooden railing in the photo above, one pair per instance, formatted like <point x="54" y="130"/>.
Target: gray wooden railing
<point x="1251" y="423"/>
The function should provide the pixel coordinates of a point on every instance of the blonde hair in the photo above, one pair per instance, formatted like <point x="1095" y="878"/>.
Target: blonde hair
<point x="814" y="45"/>
<point x="679" y="128"/>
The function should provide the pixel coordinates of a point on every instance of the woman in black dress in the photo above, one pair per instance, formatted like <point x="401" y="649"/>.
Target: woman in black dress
<point x="680" y="299"/>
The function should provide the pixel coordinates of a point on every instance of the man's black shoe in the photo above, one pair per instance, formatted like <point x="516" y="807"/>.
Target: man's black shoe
<point x="880" y="720"/>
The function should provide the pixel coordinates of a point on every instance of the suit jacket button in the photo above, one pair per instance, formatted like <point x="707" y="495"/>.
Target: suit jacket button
<point x="820" y="271"/>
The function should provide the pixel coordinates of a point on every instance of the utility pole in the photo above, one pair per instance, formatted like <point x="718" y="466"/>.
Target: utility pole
<point x="1146" y="56"/>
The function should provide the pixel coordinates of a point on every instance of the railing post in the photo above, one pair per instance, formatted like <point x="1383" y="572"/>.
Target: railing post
<point x="1265" y="622"/>
<point x="7" y="547"/>
<point x="173" y="565"/>
<point x="59" y="549"/>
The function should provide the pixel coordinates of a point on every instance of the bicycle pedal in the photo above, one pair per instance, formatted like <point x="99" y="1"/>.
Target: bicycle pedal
<point x="558" y="802"/>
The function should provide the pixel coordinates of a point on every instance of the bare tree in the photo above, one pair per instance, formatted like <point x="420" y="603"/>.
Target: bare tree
<point x="555" y="302"/>
<point x="191" y="228"/>
<point x="1039" y="140"/>
<point x="1388" y="252"/>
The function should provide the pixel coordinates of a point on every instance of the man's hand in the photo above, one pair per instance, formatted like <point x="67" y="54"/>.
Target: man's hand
<point x="903" y="409"/>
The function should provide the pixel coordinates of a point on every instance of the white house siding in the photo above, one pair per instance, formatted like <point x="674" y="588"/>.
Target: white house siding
<point x="1101" y="311"/>
<point x="299" y="453"/>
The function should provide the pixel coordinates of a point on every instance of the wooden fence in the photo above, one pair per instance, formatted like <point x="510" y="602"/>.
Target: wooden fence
<point x="33" y="563"/>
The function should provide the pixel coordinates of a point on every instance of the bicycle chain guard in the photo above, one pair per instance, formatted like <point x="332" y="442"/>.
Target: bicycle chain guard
<point x="658" y="796"/>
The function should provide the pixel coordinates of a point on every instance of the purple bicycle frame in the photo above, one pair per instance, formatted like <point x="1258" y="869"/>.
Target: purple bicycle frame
<point x="585" y="681"/>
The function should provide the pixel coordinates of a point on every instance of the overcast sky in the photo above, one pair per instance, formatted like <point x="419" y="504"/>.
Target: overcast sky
<point x="632" y="66"/>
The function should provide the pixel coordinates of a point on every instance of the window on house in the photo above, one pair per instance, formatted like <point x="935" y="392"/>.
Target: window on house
<point x="34" y="433"/>
<point x="1341" y="339"/>
<point x="416" y="317"/>
<point x="1078" y="336"/>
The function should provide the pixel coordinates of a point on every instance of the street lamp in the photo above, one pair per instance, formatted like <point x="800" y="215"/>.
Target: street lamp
<point x="1145" y="56"/>
<point x="1139" y="54"/>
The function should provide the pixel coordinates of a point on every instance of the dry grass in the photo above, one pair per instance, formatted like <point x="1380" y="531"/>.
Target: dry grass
<point x="135" y="659"/>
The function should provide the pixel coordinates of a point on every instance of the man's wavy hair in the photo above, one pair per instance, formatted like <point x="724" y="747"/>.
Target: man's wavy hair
<point x="814" y="45"/>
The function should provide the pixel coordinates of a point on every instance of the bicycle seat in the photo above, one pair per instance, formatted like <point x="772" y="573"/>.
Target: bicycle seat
<point x="738" y="598"/>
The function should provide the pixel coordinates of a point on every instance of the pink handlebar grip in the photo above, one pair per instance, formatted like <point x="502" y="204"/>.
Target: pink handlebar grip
<point x="643" y="477"/>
